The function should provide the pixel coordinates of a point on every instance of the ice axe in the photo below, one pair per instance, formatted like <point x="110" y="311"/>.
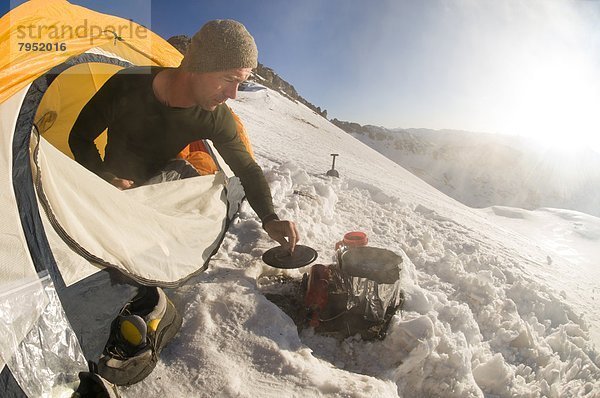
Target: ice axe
<point x="333" y="172"/>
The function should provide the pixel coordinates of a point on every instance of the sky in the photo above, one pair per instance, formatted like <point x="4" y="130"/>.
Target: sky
<point x="529" y="68"/>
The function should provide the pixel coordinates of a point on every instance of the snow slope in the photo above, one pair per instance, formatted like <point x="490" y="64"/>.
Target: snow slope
<point x="480" y="319"/>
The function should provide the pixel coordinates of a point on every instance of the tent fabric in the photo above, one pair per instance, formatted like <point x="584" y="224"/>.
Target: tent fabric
<point x="59" y="22"/>
<point x="20" y="171"/>
<point x="15" y="259"/>
<point x="22" y="182"/>
<point x="164" y="232"/>
<point x="69" y="92"/>
<point x="86" y="221"/>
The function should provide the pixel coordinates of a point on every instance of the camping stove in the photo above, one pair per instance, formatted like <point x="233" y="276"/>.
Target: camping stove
<point x="358" y="292"/>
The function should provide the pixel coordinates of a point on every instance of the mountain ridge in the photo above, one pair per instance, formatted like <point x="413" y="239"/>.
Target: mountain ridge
<point x="483" y="170"/>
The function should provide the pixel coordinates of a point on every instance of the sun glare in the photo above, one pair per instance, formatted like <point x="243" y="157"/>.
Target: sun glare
<point x="554" y="105"/>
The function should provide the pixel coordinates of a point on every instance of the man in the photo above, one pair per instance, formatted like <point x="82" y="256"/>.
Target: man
<point x="152" y="113"/>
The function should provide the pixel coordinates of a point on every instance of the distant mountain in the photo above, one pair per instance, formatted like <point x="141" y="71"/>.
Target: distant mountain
<point x="262" y="74"/>
<point x="482" y="170"/>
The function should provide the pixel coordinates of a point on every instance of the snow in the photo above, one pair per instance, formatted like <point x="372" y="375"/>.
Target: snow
<point x="571" y="240"/>
<point x="487" y="314"/>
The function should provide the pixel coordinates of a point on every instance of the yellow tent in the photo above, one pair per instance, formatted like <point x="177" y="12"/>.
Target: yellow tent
<point x="61" y="219"/>
<point x="44" y="90"/>
<point x="41" y="34"/>
<point x="66" y="30"/>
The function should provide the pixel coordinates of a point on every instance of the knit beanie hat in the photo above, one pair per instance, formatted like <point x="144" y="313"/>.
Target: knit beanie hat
<point x="220" y="45"/>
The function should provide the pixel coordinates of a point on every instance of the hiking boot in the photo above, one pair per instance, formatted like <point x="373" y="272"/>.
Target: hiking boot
<point x="137" y="336"/>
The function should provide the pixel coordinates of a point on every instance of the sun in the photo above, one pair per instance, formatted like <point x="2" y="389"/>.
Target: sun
<point x="555" y="103"/>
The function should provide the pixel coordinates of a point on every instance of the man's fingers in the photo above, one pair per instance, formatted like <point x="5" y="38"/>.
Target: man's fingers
<point x="296" y="232"/>
<point x="280" y="230"/>
<point x="292" y="236"/>
<point x="285" y="245"/>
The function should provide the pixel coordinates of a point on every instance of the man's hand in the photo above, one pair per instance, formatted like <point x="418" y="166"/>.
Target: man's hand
<point x="279" y="230"/>
<point x="120" y="183"/>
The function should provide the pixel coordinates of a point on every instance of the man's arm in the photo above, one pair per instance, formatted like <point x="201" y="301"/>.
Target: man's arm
<point x="251" y="176"/>
<point x="255" y="186"/>
<point x="91" y="122"/>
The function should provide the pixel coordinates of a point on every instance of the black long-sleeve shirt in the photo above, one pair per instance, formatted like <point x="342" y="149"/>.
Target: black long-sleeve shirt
<point x="144" y="134"/>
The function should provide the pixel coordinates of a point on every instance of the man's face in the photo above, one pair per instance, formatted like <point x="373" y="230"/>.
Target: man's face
<point x="210" y="89"/>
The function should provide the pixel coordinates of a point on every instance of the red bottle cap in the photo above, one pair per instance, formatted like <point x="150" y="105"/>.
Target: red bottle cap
<point x="355" y="239"/>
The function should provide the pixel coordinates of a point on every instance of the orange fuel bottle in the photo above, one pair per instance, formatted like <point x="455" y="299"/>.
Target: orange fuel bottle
<point x="351" y="239"/>
<point x="316" y="292"/>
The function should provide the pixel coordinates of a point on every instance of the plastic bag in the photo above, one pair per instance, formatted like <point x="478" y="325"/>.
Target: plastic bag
<point x="21" y="303"/>
<point x="38" y="344"/>
<point x="372" y="277"/>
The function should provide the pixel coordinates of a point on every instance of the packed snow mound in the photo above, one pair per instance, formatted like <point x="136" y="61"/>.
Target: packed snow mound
<point x="571" y="242"/>
<point x="476" y="321"/>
